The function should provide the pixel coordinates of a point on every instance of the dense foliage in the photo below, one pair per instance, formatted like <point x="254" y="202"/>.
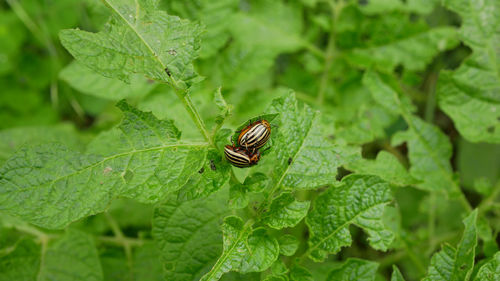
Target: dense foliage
<point x="383" y="162"/>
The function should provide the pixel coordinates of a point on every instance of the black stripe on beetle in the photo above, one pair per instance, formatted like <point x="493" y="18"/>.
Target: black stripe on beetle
<point x="239" y="157"/>
<point x="255" y="135"/>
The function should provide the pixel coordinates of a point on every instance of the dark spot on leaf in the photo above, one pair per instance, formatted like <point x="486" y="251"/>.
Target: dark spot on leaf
<point x="463" y="266"/>
<point x="332" y="137"/>
<point x="201" y="170"/>
<point x="363" y="2"/>
<point x="491" y="129"/>
<point x="212" y="165"/>
<point x="498" y="118"/>
<point x="150" y="81"/>
<point x="290" y="160"/>
<point x="168" y="72"/>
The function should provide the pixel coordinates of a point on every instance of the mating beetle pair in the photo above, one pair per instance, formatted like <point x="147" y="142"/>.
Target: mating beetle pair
<point x="251" y="138"/>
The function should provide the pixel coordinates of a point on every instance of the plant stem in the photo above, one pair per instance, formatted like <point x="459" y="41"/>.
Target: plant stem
<point x="330" y="51"/>
<point x="113" y="240"/>
<point x="431" y="222"/>
<point x="120" y="237"/>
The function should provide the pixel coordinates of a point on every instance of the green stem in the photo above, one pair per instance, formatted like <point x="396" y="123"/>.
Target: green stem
<point x="330" y="51"/>
<point x="431" y="222"/>
<point x="120" y="237"/>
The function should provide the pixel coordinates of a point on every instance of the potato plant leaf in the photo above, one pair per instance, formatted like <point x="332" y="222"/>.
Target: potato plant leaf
<point x="72" y="257"/>
<point x="414" y="52"/>
<point x="396" y="274"/>
<point x="139" y="38"/>
<point x="89" y="82"/>
<point x="354" y="269"/>
<point x="285" y="211"/>
<point x="304" y="158"/>
<point x="429" y="148"/>
<point x="453" y="264"/>
<point x="188" y="250"/>
<point x="245" y="250"/>
<point x="146" y="162"/>
<point x="469" y="95"/>
<point x="358" y="200"/>
<point x="490" y="270"/>
<point x="386" y="166"/>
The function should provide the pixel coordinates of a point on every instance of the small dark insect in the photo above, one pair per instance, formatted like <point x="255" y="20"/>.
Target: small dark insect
<point x="290" y="160"/>
<point x="201" y="170"/>
<point x="172" y="52"/>
<point x="168" y="72"/>
<point x="240" y="157"/>
<point x="212" y="165"/>
<point x="255" y="135"/>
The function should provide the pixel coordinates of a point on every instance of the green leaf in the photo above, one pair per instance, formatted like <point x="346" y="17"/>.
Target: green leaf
<point x="285" y="211"/>
<point x="464" y="96"/>
<point x="21" y="264"/>
<point x="288" y="244"/>
<point x="114" y="264"/>
<point x="139" y="38"/>
<point x="238" y="197"/>
<point x="13" y="139"/>
<point x="456" y="263"/>
<point x="298" y="273"/>
<point x="239" y="66"/>
<point x="358" y="200"/>
<point x="262" y="252"/>
<point x="235" y="235"/>
<point x="384" y="6"/>
<point x="244" y="250"/>
<point x="413" y="52"/>
<point x="304" y="159"/>
<point x="147" y="265"/>
<point x="279" y="267"/>
<point x="396" y="274"/>
<point x="386" y="166"/>
<point x="429" y="152"/>
<point x="224" y="108"/>
<point x="214" y="15"/>
<point x="354" y="269"/>
<point x="209" y="179"/>
<point x="146" y="162"/>
<point x="88" y="82"/>
<point x="269" y="24"/>
<point x="429" y="149"/>
<point x="469" y="95"/>
<point x="188" y="235"/>
<point x="73" y="257"/>
<point x="490" y="270"/>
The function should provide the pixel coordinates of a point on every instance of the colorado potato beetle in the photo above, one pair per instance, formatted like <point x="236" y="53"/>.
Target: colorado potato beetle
<point x="255" y="135"/>
<point x="240" y="157"/>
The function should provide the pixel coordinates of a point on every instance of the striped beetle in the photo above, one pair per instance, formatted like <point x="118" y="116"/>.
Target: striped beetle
<point x="255" y="135"/>
<point x="239" y="157"/>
